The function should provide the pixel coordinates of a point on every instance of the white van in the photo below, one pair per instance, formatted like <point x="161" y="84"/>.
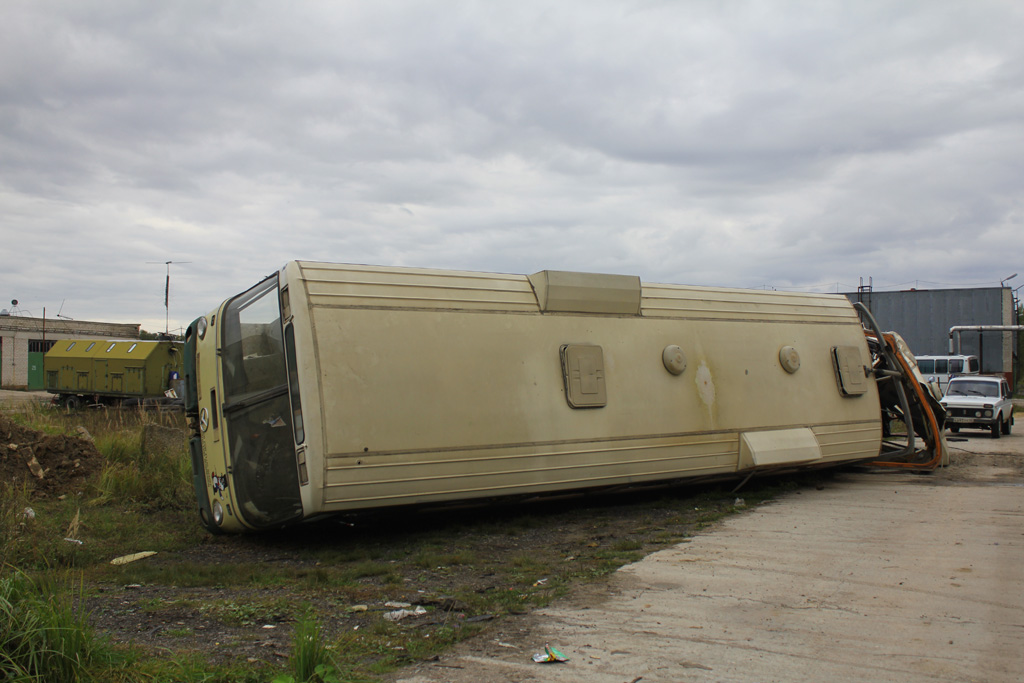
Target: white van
<point x="941" y="368"/>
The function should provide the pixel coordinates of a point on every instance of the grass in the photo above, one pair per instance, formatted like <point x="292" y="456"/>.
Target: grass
<point x="42" y="636"/>
<point x="310" y="656"/>
<point x="247" y="613"/>
<point x="430" y="559"/>
<point x="496" y="561"/>
<point x="16" y="514"/>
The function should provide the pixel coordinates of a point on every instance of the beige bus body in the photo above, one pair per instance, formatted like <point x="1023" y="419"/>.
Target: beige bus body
<point x="415" y="386"/>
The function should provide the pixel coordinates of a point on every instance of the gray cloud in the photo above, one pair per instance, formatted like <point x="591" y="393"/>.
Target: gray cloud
<point x="747" y="144"/>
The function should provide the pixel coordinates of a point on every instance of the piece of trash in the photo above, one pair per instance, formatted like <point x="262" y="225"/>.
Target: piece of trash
<point x="73" y="526"/>
<point x="358" y="608"/>
<point x="739" y="502"/>
<point x="268" y="626"/>
<point x="35" y="468"/>
<point x="398" y="614"/>
<point x="510" y="645"/>
<point x="549" y="655"/>
<point x="74" y="540"/>
<point x="29" y="514"/>
<point x="540" y="582"/>
<point x="125" y="559"/>
<point x="132" y="586"/>
<point x="479" y="617"/>
<point x="398" y="605"/>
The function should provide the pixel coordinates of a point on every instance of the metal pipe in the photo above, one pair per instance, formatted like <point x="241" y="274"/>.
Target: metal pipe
<point x="957" y="329"/>
<point x="890" y="360"/>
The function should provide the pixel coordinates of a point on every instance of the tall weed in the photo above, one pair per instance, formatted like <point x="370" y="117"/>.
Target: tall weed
<point x="42" y="636"/>
<point x="159" y="478"/>
<point x="311" y="661"/>
<point x="15" y="515"/>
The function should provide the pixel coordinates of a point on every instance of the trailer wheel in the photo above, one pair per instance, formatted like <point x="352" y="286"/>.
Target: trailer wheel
<point x="72" y="403"/>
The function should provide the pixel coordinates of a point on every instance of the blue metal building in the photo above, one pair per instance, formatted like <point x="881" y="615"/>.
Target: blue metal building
<point x="924" y="316"/>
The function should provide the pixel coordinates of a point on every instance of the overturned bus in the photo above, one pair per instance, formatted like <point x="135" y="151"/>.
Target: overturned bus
<point x="328" y="388"/>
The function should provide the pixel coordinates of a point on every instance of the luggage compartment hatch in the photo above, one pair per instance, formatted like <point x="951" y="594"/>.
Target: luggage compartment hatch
<point x="850" y="370"/>
<point x="583" y="374"/>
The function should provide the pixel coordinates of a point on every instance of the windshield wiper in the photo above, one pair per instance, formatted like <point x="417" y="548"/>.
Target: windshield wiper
<point x="253" y="399"/>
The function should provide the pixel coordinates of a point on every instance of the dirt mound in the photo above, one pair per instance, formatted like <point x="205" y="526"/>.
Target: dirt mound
<point x="48" y="465"/>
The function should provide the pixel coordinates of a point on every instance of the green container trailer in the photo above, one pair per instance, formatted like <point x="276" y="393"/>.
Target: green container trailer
<point x="112" y="371"/>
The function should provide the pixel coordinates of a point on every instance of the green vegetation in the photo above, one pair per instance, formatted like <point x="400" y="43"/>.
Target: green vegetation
<point x="310" y="660"/>
<point x="314" y="603"/>
<point x="42" y="636"/>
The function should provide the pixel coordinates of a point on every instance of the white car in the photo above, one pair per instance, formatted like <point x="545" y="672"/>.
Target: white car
<point x="979" y="401"/>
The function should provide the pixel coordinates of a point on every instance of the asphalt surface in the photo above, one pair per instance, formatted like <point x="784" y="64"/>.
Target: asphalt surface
<point x="875" y="577"/>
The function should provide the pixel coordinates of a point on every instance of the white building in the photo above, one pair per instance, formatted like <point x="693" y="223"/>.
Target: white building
<point x="24" y="341"/>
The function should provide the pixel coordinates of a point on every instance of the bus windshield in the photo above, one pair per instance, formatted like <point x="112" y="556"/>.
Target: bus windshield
<point x="256" y="409"/>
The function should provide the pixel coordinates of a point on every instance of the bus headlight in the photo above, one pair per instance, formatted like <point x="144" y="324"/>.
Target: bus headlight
<point x="201" y="327"/>
<point x="218" y="513"/>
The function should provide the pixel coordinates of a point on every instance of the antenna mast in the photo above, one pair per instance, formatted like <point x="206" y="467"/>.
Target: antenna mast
<point x="167" y="293"/>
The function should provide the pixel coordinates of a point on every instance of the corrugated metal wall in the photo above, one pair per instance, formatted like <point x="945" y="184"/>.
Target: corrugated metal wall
<point x="923" y="318"/>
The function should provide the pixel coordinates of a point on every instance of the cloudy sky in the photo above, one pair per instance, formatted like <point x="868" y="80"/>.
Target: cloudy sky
<point x="788" y="145"/>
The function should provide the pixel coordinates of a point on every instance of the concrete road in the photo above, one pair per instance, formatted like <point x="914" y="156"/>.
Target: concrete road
<point x="876" y="577"/>
<point x="10" y="398"/>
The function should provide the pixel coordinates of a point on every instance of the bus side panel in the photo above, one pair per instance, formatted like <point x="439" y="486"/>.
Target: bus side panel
<point x="423" y="405"/>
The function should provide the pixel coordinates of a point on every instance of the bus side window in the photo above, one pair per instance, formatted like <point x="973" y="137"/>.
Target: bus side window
<point x="926" y="366"/>
<point x="940" y="366"/>
<point x="955" y="365"/>
<point x="972" y="365"/>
